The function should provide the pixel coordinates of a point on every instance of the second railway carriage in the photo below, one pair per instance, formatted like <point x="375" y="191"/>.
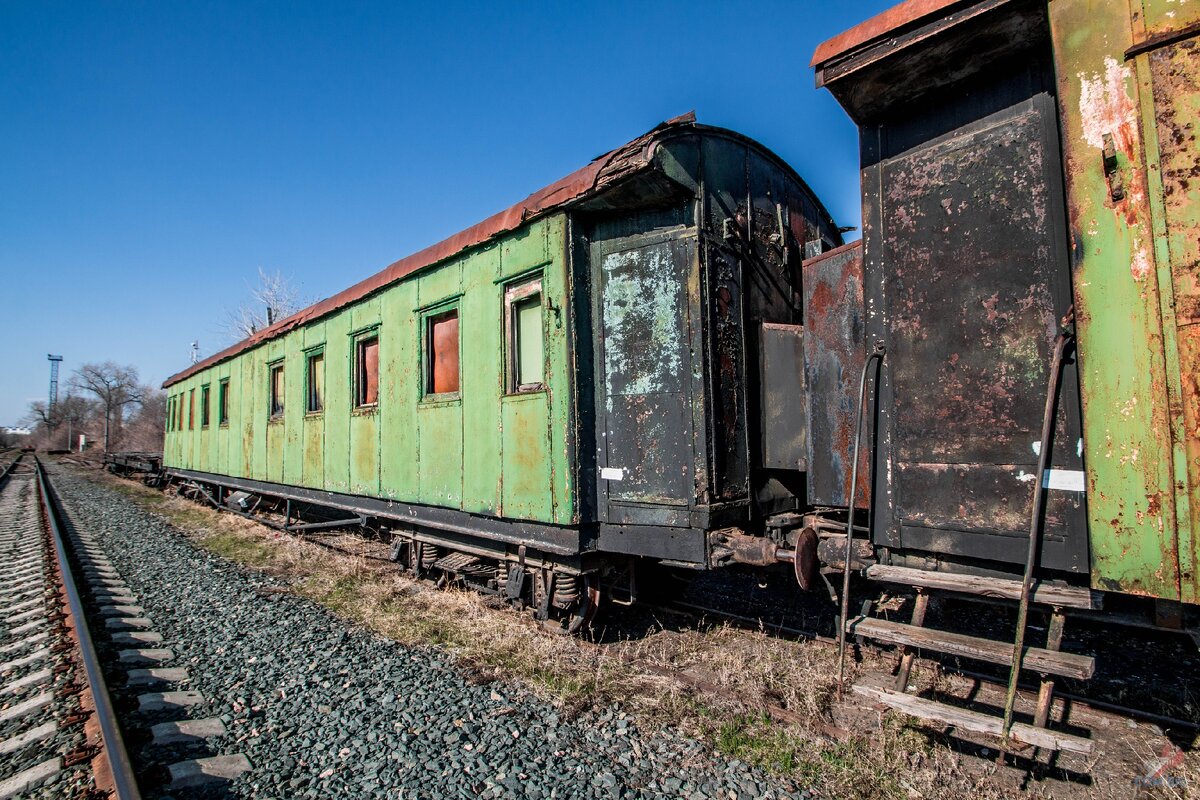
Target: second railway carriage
<point x="1029" y="178"/>
<point x="532" y="401"/>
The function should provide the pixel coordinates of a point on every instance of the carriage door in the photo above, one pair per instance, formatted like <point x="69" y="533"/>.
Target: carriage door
<point x="643" y="373"/>
<point x="967" y="259"/>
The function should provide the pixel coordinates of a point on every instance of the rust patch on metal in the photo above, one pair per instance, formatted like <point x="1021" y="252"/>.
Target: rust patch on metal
<point x="834" y="350"/>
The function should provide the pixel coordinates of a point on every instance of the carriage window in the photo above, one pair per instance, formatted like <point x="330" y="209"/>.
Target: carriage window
<point x="316" y="382"/>
<point x="191" y="409"/>
<point x="526" y="358"/>
<point x="171" y="413"/>
<point x="223" y="402"/>
<point x="179" y="409"/>
<point x="366" y="372"/>
<point x="441" y="353"/>
<point x="204" y="406"/>
<point x="277" y="390"/>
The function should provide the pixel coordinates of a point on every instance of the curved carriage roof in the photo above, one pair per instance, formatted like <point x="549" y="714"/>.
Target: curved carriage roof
<point x="599" y="175"/>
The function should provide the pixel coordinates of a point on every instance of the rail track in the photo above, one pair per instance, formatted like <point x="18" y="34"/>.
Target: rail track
<point x="71" y="625"/>
<point x="59" y="734"/>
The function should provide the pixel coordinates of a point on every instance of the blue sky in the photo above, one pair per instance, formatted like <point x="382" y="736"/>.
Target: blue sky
<point x="154" y="155"/>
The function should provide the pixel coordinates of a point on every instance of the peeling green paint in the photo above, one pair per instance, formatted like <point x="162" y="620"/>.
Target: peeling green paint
<point x="1132" y="376"/>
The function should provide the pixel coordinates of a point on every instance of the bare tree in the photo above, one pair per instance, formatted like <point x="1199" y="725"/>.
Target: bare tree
<point x="114" y="386"/>
<point x="72" y="411"/>
<point x="273" y="299"/>
<point x="146" y="425"/>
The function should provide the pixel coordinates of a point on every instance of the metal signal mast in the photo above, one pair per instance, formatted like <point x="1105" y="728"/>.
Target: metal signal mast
<point x="54" y="362"/>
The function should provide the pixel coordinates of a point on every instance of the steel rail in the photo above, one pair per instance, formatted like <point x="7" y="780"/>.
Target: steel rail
<point x="9" y="466"/>
<point x="121" y="769"/>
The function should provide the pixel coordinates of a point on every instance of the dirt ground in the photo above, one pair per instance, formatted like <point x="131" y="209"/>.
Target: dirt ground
<point x="766" y="699"/>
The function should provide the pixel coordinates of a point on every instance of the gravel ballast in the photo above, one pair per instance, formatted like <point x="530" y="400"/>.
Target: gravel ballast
<point x="324" y="709"/>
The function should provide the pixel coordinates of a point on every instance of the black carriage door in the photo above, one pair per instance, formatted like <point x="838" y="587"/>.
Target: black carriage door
<point x="644" y="416"/>
<point x="967" y="259"/>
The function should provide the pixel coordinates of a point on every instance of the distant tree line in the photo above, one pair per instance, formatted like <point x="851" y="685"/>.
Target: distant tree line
<point x="106" y="403"/>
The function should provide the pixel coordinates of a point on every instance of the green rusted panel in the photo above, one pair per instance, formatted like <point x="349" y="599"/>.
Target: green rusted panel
<point x="440" y="422"/>
<point x="526" y="457"/>
<point x="439" y="283"/>
<point x="312" y="435"/>
<point x="439" y="425"/>
<point x="364" y="422"/>
<point x="337" y="402"/>
<point x="482" y="382"/>
<point x="526" y="248"/>
<point x="399" y="371"/>
<point x="275" y="426"/>
<point x="202" y="433"/>
<point x="1168" y="70"/>
<point x="1123" y="366"/>
<point x="293" y="418"/>
<point x="235" y="463"/>
<point x="560" y="372"/>
<point x="1165" y="17"/>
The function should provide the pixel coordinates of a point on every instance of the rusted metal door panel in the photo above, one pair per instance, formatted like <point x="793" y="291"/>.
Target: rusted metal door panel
<point x="645" y="449"/>
<point x="1124" y="348"/>
<point x="784" y="440"/>
<point x="834" y="349"/>
<point x="727" y="337"/>
<point x="971" y="277"/>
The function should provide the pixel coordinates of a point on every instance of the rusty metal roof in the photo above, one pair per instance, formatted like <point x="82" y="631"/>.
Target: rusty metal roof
<point x="878" y="26"/>
<point x="592" y="179"/>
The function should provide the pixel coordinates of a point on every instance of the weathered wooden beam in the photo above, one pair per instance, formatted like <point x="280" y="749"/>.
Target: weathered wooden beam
<point x="974" y="721"/>
<point x="1036" y="659"/>
<point x="984" y="586"/>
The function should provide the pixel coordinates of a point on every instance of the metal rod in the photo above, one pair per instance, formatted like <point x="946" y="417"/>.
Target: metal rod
<point x="124" y="782"/>
<point x="877" y="353"/>
<point x="337" y="523"/>
<point x="1035" y="522"/>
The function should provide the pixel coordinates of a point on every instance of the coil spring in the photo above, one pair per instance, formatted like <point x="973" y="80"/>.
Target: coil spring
<point x="566" y="590"/>
<point x="429" y="555"/>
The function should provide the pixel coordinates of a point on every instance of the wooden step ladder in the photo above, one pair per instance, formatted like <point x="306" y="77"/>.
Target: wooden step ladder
<point x="1048" y="661"/>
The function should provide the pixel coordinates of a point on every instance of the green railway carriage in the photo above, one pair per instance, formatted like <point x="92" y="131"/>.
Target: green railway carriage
<point x="566" y="379"/>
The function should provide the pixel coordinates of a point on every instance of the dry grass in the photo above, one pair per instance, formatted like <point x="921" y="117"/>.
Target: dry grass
<point x="763" y="700"/>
